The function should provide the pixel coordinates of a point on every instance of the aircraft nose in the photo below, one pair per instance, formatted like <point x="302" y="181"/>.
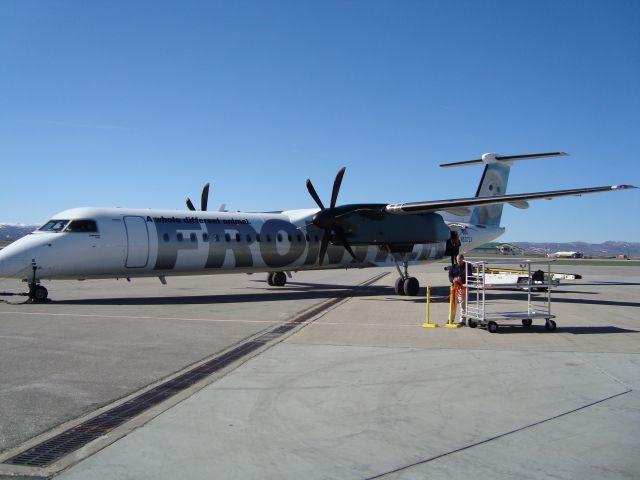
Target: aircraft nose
<point x="15" y="261"/>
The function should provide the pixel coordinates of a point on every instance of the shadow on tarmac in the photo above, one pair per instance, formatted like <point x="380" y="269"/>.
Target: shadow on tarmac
<point x="269" y="294"/>
<point x="593" y="330"/>
<point x="441" y="294"/>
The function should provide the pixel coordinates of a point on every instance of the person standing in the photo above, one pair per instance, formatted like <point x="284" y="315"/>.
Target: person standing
<point x="458" y="277"/>
<point x="455" y="246"/>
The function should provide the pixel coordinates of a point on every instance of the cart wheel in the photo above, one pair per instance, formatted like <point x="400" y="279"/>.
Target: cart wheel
<point x="550" y="325"/>
<point x="492" y="327"/>
<point x="472" y="323"/>
<point x="526" y="322"/>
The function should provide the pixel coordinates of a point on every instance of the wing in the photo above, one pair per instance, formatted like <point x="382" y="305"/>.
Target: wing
<point x="460" y="206"/>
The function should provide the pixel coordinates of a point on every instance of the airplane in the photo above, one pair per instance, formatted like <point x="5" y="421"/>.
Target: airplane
<point x="565" y="255"/>
<point x="93" y="243"/>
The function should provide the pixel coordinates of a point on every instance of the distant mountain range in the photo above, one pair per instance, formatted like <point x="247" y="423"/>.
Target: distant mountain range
<point x="10" y="233"/>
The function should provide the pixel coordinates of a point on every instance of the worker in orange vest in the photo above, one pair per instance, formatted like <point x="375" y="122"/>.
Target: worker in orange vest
<point x="458" y="277"/>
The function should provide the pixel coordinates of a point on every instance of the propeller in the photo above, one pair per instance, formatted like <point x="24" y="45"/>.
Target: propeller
<point x="326" y="218"/>
<point x="204" y="199"/>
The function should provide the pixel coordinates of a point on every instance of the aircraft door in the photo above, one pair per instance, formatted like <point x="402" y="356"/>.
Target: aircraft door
<point x="137" y="242"/>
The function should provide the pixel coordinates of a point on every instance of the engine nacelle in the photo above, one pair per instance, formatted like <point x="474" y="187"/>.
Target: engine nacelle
<point x="395" y="229"/>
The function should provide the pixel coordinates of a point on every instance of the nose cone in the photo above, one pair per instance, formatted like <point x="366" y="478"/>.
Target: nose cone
<point x="15" y="260"/>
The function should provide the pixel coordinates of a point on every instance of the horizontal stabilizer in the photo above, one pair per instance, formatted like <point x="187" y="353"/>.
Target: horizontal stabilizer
<point x="521" y="204"/>
<point x="492" y="158"/>
<point x="458" y="211"/>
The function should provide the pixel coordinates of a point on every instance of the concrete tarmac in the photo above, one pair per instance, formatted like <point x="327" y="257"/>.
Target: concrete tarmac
<point x="364" y="391"/>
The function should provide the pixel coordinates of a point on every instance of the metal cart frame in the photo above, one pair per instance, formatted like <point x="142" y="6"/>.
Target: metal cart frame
<point x="475" y="311"/>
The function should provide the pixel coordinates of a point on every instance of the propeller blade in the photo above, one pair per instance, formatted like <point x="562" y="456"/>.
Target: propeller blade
<point x="343" y="239"/>
<point x="336" y="187"/>
<point x="314" y="194"/>
<point x="324" y="244"/>
<point x="190" y="205"/>
<point x="205" y="197"/>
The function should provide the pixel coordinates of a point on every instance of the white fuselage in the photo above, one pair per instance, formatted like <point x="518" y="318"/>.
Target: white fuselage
<point x="136" y="243"/>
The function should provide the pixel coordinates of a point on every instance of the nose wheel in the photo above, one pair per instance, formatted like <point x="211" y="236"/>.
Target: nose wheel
<point x="38" y="293"/>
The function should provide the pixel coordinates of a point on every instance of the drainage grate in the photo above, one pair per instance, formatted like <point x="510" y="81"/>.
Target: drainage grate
<point x="50" y="450"/>
<point x="54" y="448"/>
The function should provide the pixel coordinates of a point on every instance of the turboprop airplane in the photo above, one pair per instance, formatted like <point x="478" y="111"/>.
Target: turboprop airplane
<point x="89" y="243"/>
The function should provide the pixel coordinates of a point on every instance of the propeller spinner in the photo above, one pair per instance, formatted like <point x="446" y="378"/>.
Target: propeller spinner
<point x="326" y="218"/>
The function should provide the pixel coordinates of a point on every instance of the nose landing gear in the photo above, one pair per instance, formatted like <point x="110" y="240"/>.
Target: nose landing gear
<point x="37" y="293"/>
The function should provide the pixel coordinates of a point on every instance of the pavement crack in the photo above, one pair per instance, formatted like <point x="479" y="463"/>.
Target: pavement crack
<point x="497" y="437"/>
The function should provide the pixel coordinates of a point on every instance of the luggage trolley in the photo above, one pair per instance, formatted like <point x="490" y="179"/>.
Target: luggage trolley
<point x="537" y="306"/>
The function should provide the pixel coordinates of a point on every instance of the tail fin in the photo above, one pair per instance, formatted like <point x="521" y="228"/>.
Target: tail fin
<point x="494" y="182"/>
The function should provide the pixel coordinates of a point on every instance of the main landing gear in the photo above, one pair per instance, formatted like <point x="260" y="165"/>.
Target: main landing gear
<point x="406" y="285"/>
<point x="276" y="279"/>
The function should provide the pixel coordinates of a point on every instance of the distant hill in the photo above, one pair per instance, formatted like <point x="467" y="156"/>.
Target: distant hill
<point x="606" y="249"/>
<point x="10" y="233"/>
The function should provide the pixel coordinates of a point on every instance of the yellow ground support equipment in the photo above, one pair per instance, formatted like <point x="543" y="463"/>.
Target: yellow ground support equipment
<point x="453" y="294"/>
<point x="427" y="323"/>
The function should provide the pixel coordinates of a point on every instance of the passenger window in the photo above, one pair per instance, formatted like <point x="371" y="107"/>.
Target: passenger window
<point x="289" y="237"/>
<point x="299" y="237"/>
<point x="268" y="238"/>
<point x="248" y="238"/>
<point x="205" y="237"/>
<point x="279" y="237"/>
<point x="180" y="237"/>
<point x="257" y="237"/>
<point x="165" y="237"/>
<point x="307" y="237"/>
<point x="193" y="237"/>
<point x="227" y="237"/>
<point x="237" y="237"/>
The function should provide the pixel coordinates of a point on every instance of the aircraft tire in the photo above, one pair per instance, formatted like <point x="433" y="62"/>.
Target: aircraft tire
<point x="411" y="286"/>
<point x="399" y="286"/>
<point x="279" y="279"/>
<point x="40" y="293"/>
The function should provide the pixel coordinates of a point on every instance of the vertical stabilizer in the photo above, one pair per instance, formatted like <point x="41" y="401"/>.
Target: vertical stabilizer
<point x="493" y="182"/>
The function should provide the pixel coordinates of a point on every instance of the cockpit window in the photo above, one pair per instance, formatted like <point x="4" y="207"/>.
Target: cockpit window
<point x="54" y="226"/>
<point x="84" y="226"/>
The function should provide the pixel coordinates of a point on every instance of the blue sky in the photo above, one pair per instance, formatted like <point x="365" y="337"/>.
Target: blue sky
<point x="137" y="104"/>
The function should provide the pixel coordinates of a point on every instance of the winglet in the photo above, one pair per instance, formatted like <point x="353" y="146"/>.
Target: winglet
<point x="493" y="158"/>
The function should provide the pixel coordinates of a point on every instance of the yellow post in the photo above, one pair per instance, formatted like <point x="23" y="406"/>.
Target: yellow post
<point x="427" y="323"/>
<point x="452" y="309"/>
